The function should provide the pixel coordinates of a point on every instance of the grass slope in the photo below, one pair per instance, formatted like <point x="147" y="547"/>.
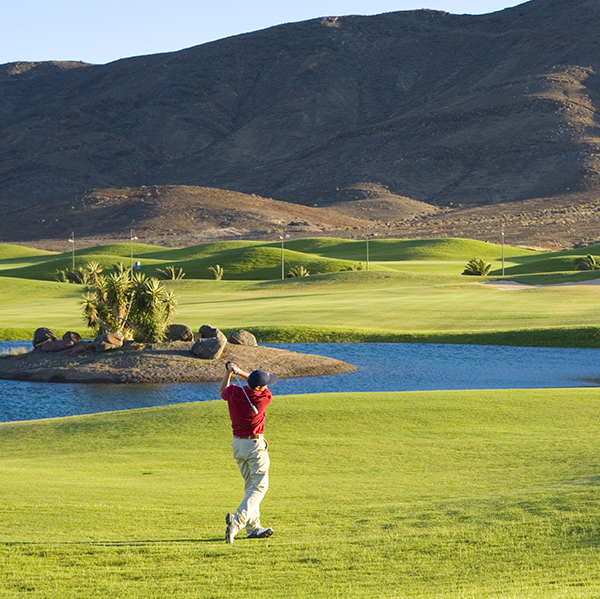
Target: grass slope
<point x="26" y="305"/>
<point x="253" y="260"/>
<point x="439" y="494"/>
<point x="12" y="252"/>
<point x="347" y="306"/>
<point x="414" y="293"/>
<point x="241" y="260"/>
<point x="405" y="249"/>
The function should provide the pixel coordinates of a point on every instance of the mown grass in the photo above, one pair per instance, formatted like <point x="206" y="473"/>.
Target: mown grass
<point x="346" y="306"/>
<point x="553" y="337"/>
<point x="390" y="302"/>
<point x="253" y="260"/>
<point x="404" y="300"/>
<point x="439" y="494"/>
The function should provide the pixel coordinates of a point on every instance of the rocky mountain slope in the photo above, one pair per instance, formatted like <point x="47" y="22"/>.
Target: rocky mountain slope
<point x="360" y="114"/>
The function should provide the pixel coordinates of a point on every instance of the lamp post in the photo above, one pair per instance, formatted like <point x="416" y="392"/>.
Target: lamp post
<point x="72" y="240"/>
<point x="131" y="238"/>
<point x="282" y="237"/>
<point x="374" y="235"/>
<point x="503" y="250"/>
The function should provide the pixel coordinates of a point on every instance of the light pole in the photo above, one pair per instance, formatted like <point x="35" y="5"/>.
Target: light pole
<point x="282" y="237"/>
<point x="374" y="235"/>
<point x="131" y="238"/>
<point x="503" y="250"/>
<point x="72" y="240"/>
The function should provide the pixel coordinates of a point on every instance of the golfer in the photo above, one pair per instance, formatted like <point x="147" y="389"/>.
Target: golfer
<point x="247" y="412"/>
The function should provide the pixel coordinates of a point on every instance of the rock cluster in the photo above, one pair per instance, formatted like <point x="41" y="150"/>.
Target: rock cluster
<point x="179" y="332"/>
<point x="108" y="341"/>
<point x="46" y="340"/>
<point x="211" y="342"/>
<point x="209" y="345"/>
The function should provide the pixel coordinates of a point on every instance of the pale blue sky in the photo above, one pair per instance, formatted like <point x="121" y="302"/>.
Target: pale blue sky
<point x="100" y="31"/>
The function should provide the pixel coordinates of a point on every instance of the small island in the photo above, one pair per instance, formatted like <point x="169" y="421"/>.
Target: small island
<point x="168" y="362"/>
<point x="136" y="342"/>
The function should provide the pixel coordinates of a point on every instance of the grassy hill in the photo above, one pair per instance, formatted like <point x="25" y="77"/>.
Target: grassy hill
<point x="440" y="494"/>
<point x="253" y="260"/>
<point x="414" y="291"/>
<point x="241" y="260"/>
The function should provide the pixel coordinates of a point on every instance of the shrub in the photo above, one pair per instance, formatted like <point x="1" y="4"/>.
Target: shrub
<point x="81" y="275"/>
<point x="477" y="267"/>
<point x="359" y="266"/>
<point x="298" y="271"/>
<point x="586" y="263"/>
<point x="217" y="272"/>
<point x="170" y="273"/>
<point x="141" y="308"/>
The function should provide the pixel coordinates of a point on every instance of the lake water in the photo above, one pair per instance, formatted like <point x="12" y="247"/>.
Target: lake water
<point x="382" y="367"/>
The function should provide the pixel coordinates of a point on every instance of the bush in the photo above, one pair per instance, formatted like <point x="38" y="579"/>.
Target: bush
<point x="170" y="273"/>
<point x="217" y="272"/>
<point x="477" y="267"/>
<point x="140" y="307"/>
<point x="298" y="271"/>
<point x="359" y="266"/>
<point x="586" y="263"/>
<point x="79" y="275"/>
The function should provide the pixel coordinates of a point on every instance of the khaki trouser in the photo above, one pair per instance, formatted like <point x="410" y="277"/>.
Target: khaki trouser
<point x="252" y="459"/>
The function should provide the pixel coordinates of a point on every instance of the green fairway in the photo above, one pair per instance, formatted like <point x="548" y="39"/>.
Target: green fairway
<point x="254" y="260"/>
<point x="414" y="291"/>
<point x="487" y="494"/>
<point x="388" y="304"/>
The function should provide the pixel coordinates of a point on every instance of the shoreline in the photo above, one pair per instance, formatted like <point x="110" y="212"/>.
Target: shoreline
<point x="159" y="363"/>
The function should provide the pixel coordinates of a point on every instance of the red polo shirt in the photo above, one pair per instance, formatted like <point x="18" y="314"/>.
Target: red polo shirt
<point x="244" y="421"/>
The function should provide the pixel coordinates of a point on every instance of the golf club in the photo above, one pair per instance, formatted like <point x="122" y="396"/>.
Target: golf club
<point x="228" y="366"/>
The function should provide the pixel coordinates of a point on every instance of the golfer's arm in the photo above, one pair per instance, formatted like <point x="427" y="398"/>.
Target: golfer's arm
<point x="242" y="373"/>
<point x="225" y="382"/>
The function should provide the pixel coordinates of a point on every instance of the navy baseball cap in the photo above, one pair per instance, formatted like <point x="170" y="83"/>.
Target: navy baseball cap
<point x="260" y="378"/>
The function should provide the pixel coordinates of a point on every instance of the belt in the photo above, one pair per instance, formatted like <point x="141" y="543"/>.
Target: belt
<point x="249" y="437"/>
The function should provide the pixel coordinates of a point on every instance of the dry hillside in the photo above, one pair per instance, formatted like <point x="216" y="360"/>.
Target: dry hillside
<point x="418" y="115"/>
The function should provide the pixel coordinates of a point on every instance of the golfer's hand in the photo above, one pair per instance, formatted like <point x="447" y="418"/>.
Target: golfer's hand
<point x="233" y="368"/>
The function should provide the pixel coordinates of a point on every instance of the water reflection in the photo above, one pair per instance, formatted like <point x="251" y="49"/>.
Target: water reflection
<point x="382" y="367"/>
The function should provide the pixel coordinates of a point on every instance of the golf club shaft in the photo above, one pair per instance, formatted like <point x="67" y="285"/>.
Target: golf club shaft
<point x="244" y="390"/>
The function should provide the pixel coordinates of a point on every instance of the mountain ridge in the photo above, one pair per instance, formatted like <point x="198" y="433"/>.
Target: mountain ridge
<point x="443" y="109"/>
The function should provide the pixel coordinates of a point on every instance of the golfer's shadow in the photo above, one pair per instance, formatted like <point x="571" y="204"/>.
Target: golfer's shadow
<point x="130" y="543"/>
<point x="141" y="542"/>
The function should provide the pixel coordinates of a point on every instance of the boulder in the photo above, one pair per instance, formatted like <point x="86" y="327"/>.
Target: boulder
<point x="209" y="349"/>
<point x="42" y="335"/>
<point x="69" y="339"/>
<point x="208" y="332"/>
<point x="243" y="337"/>
<point x="108" y="341"/>
<point x="179" y="332"/>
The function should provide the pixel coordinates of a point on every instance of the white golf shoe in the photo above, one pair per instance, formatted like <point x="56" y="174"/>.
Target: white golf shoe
<point x="233" y="527"/>
<point x="260" y="533"/>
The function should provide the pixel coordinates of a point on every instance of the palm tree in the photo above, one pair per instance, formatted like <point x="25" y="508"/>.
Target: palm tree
<point x="141" y="308"/>
<point x="93" y="271"/>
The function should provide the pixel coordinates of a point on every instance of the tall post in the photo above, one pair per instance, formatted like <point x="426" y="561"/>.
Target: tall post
<point x="282" y="258"/>
<point x="282" y="237"/>
<point x="503" y="249"/>
<point x="72" y="240"/>
<point x="131" y="238"/>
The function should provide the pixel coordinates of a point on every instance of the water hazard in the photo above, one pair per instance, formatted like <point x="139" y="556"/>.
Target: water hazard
<point x="382" y="367"/>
